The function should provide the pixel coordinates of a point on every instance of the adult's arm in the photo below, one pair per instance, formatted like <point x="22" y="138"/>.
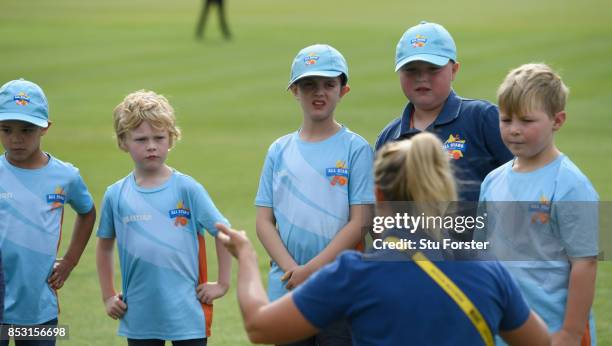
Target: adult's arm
<point x="262" y="318"/>
<point x="532" y="332"/>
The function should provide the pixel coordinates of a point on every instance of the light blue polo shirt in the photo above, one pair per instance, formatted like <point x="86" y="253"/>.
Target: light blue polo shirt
<point x="31" y="213"/>
<point x="159" y="233"/>
<point x="558" y="219"/>
<point x="310" y="186"/>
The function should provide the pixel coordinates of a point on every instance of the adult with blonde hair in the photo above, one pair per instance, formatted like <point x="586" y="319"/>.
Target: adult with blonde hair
<point x="387" y="300"/>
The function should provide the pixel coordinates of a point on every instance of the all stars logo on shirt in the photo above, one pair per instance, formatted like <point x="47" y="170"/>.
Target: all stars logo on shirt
<point x="57" y="198"/>
<point x="339" y="174"/>
<point x="540" y="211"/>
<point x="181" y="215"/>
<point x="455" y="146"/>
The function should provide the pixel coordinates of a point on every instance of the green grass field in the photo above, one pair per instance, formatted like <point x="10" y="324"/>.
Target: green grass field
<point x="231" y="101"/>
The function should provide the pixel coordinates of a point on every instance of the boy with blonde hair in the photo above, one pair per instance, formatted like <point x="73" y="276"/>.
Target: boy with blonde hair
<point x="157" y="215"/>
<point x="34" y="187"/>
<point x="315" y="190"/>
<point x="554" y="240"/>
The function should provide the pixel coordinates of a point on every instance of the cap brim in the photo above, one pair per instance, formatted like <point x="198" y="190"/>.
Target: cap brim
<point x="24" y="117"/>
<point x="330" y="74"/>
<point x="432" y="59"/>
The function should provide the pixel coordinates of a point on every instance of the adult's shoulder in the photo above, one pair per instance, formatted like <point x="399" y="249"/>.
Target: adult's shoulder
<point x="345" y="264"/>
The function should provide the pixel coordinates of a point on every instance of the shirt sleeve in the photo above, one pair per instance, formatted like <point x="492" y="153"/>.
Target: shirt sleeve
<point x="361" y="179"/>
<point x="327" y="295"/>
<point x="205" y="212"/>
<point x="516" y="310"/>
<point x="576" y="216"/>
<point x="80" y="199"/>
<point x="492" y="134"/>
<point x="106" y="227"/>
<point x="264" y="192"/>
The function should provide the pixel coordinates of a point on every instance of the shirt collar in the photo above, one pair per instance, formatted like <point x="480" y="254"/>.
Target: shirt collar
<point x="449" y="112"/>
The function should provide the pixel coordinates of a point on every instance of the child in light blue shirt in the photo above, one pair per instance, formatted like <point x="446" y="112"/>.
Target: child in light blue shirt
<point x="34" y="187"/>
<point x="157" y="215"/>
<point x="548" y="235"/>
<point x="316" y="186"/>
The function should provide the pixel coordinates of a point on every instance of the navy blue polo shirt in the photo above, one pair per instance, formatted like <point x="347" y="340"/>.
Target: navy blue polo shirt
<point x="469" y="130"/>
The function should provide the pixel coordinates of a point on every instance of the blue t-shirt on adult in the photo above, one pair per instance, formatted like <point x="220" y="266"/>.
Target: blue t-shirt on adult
<point x="397" y="303"/>
<point x="470" y="132"/>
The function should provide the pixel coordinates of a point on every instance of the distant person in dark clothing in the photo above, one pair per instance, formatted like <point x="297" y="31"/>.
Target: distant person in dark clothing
<point x="204" y="15"/>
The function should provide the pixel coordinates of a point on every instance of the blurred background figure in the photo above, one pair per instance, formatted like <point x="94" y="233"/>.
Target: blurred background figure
<point x="206" y="4"/>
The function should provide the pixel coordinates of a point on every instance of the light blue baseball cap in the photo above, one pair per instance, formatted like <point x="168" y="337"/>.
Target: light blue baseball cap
<point x="428" y="42"/>
<point x="318" y="60"/>
<point x="25" y="101"/>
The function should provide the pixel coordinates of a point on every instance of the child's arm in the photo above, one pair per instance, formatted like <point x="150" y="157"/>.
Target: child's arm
<point x="267" y="233"/>
<point x="579" y="300"/>
<point x="347" y="238"/>
<point x="113" y="303"/>
<point x="62" y="267"/>
<point x="210" y="291"/>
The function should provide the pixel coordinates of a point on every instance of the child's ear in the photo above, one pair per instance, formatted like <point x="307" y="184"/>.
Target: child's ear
<point x="293" y="89"/>
<point x="122" y="145"/>
<point x="344" y="90"/>
<point x="454" y="70"/>
<point x="558" y="120"/>
<point x="44" y="130"/>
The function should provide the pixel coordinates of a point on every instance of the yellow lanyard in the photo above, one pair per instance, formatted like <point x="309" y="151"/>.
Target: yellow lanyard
<point x="455" y="293"/>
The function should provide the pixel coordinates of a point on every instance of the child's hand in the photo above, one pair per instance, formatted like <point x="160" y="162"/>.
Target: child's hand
<point x="115" y="306"/>
<point x="296" y="276"/>
<point x="61" y="270"/>
<point x="210" y="291"/>
<point x="566" y="338"/>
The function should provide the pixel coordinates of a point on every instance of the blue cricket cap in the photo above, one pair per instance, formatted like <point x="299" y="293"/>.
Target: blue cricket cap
<point x="428" y="42"/>
<point x="318" y="60"/>
<point x="25" y="101"/>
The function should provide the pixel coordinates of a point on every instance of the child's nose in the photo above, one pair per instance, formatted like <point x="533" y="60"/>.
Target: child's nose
<point x="17" y="138"/>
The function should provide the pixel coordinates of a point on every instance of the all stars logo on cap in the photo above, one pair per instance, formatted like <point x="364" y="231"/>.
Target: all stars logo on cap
<point x="311" y="59"/>
<point x="21" y="99"/>
<point x="418" y="41"/>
